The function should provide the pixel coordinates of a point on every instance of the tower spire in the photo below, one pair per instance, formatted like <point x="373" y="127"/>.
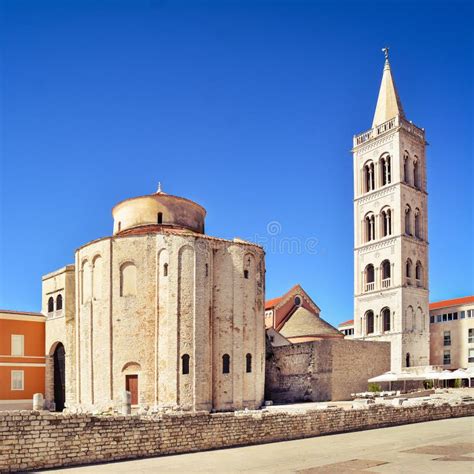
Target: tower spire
<point x="388" y="102"/>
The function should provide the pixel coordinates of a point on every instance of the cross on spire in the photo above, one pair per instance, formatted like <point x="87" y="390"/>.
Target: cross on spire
<point x="385" y="51"/>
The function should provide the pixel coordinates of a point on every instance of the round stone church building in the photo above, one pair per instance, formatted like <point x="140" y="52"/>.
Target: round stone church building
<point x="159" y="309"/>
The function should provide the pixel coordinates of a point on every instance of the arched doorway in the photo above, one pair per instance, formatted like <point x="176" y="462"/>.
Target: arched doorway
<point x="59" y="377"/>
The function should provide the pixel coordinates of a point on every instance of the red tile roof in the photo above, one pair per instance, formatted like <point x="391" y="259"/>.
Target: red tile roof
<point x="350" y="322"/>
<point x="453" y="302"/>
<point x="272" y="303"/>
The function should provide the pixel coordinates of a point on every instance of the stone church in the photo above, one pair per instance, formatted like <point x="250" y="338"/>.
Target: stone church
<point x="160" y="309"/>
<point x="391" y="232"/>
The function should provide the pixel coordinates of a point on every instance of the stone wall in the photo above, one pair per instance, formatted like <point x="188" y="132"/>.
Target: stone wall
<point x="34" y="440"/>
<point x="323" y="370"/>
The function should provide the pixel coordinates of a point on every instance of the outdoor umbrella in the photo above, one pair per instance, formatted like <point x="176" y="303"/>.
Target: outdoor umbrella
<point x="386" y="377"/>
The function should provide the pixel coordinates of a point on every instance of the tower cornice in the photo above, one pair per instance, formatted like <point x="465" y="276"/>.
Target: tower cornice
<point x="383" y="130"/>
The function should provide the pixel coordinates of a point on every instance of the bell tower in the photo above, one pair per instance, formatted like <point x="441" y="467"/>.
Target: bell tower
<point x="391" y="231"/>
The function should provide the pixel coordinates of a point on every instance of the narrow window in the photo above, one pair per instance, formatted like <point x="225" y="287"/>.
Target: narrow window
<point x="407" y="360"/>
<point x="386" y="319"/>
<point x="408" y="220"/>
<point x="405" y="168"/>
<point x="447" y="357"/>
<point x="370" y="322"/>
<point x="18" y="345"/>
<point x="418" y="272"/>
<point x="369" y="177"/>
<point x="246" y="274"/>
<point x="416" y="175"/>
<point x="386" y="274"/>
<point x="386" y="222"/>
<point x="417" y="223"/>
<point x="226" y="364"/>
<point x="447" y="338"/>
<point x="185" y="364"/>
<point x="50" y="304"/>
<point x="119" y="226"/>
<point x="248" y="363"/>
<point x="369" y="278"/>
<point x="207" y="269"/>
<point x="17" y="380"/>
<point x="59" y="302"/>
<point x="384" y="164"/>
<point x="370" y="227"/>
<point x="160" y="218"/>
<point x="165" y="270"/>
<point x="408" y="268"/>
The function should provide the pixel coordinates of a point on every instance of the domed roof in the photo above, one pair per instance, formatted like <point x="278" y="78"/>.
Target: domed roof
<point x="158" y="210"/>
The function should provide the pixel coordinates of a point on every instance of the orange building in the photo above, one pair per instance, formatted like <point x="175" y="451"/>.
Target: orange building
<point x="22" y="358"/>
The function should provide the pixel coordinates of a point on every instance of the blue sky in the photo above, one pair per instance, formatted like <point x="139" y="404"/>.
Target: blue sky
<point x="249" y="108"/>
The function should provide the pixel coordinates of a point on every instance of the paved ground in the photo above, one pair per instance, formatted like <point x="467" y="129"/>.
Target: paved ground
<point x="445" y="446"/>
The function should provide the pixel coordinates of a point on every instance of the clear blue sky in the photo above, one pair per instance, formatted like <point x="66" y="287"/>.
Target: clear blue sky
<point x="249" y="108"/>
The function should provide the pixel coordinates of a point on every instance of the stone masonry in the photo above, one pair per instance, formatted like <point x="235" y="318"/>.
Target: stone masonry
<point x="35" y="440"/>
<point x="323" y="370"/>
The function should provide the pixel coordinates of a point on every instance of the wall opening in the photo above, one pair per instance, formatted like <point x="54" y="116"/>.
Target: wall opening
<point x="59" y="377"/>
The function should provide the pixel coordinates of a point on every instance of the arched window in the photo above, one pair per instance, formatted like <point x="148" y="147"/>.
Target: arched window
<point x="406" y="173"/>
<point x="417" y="223"/>
<point x="369" y="227"/>
<point x="59" y="302"/>
<point x="50" y="304"/>
<point x="369" y="277"/>
<point x="369" y="316"/>
<point x="165" y="270"/>
<point x="408" y="270"/>
<point x="248" y="363"/>
<point x="385" y="170"/>
<point x="386" y="273"/>
<point x="226" y="364"/>
<point x="185" y="364"/>
<point x="246" y="274"/>
<point x="386" y="216"/>
<point x="386" y="319"/>
<point x="416" y="173"/>
<point x="369" y="177"/>
<point x="160" y="218"/>
<point x="419" y="273"/>
<point x="128" y="279"/>
<point x="408" y="220"/>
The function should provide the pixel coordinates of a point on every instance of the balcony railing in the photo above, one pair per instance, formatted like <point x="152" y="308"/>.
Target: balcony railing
<point x="386" y="282"/>
<point x="387" y="127"/>
<point x="370" y="286"/>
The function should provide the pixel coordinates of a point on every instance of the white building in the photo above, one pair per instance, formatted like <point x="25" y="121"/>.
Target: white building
<point x="391" y="232"/>
<point x="452" y="333"/>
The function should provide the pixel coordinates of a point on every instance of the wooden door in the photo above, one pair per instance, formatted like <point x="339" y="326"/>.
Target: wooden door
<point x="131" y="385"/>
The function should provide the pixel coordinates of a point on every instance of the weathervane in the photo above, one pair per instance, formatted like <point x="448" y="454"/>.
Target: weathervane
<point x="385" y="51"/>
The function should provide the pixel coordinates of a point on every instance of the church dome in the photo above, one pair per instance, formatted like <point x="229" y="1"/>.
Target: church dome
<point x="158" y="211"/>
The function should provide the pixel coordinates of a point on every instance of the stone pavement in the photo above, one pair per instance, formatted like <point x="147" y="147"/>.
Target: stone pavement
<point x="444" y="446"/>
